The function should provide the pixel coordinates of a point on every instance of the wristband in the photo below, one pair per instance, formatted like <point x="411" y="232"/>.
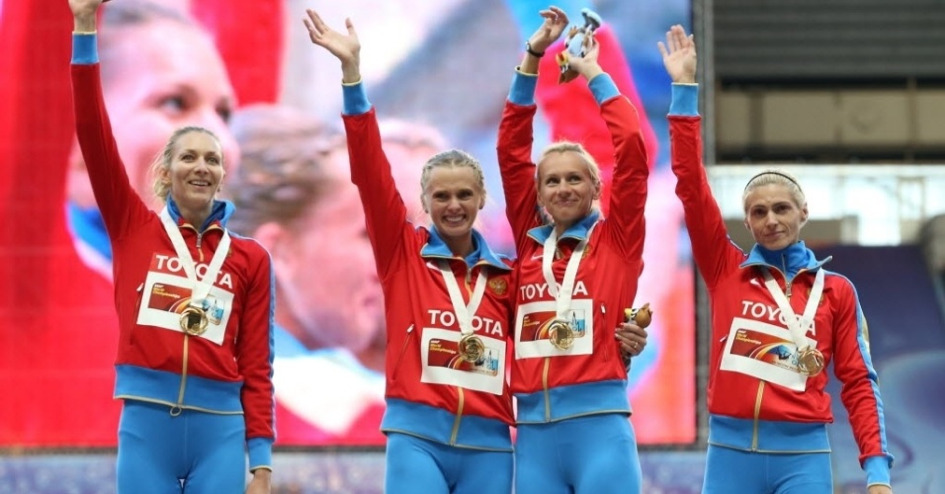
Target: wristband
<point x="530" y="51"/>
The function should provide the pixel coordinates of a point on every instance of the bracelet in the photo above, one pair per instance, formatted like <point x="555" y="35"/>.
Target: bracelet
<point x="530" y="51"/>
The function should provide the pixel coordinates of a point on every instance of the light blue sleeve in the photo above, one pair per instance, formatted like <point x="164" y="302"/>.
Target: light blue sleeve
<point x="685" y="100"/>
<point x="84" y="48"/>
<point x="355" y="99"/>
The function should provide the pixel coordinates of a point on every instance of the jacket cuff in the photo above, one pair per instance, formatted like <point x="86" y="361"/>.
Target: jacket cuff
<point x="685" y="100"/>
<point x="84" y="48"/>
<point x="260" y="453"/>
<point x="877" y="470"/>
<point x="603" y="88"/>
<point x="522" y="92"/>
<point x="355" y="98"/>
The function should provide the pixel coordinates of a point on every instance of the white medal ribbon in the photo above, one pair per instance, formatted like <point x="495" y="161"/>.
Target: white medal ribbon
<point x="797" y="325"/>
<point x="201" y="288"/>
<point x="562" y="296"/>
<point x="464" y="313"/>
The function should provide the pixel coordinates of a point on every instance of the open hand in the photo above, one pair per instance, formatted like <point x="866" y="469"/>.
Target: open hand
<point x="679" y="55"/>
<point x="345" y="47"/>
<point x="550" y="30"/>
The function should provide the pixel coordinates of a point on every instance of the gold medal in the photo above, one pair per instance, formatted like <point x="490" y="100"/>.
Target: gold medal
<point x="561" y="334"/>
<point x="471" y="348"/>
<point x="810" y="361"/>
<point x="194" y="320"/>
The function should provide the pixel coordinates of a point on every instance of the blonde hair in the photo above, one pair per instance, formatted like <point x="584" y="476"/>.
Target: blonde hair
<point x="162" y="161"/>
<point x="453" y="158"/>
<point x="775" y="177"/>
<point x="562" y="147"/>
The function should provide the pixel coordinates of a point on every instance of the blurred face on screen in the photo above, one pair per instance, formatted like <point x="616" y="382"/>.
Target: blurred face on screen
<point x="327" y="273"/>
<point x="157" y="77"/>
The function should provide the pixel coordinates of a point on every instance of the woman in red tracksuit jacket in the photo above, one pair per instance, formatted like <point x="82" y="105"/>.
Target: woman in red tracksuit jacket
<point x="778" y="318"/>
<point x="194" y="304"/>
<point x="575" y="277"/>
<point x="447" y="303"/>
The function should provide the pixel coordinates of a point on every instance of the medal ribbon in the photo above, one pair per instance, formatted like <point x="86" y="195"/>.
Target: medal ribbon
<point x="201" y="288"/>
<point x="463" y="313"/>
<point x="798" y="325"/>
<point x="563" y="296"/>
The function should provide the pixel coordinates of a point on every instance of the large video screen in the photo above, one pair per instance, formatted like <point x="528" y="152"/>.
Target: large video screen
<point x="438" y="74"/>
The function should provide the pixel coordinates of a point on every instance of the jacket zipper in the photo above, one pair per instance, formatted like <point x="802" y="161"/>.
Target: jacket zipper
<point x="761" y="384"/>
<point x="788" y="282"/>
<point x="754" y="430"/>
<point x="199" y="250"/>
<point x="186" y="356"/>
<point x="544" y="385"/>
<point x="200" y="237"/>
<point x="461" y="401"/>
<point x="460" y="392"/>
<point x="178" y="407"/>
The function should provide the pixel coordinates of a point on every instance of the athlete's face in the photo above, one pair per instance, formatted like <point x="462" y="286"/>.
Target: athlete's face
<point x="158" y="77"/>
<point x="454" y="197"/>
<point x="195" y="172"/>
<point x="565" y="188"/>
<point x="772" y="216"/>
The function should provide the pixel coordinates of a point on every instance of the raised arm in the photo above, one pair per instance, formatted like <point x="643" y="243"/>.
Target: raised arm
<point x="515" y="129"/>
<point x="385" y="212"/>
<point x="713" y="252"/>
<point x="120" y="206"/>
<point x="625" y="223"/>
